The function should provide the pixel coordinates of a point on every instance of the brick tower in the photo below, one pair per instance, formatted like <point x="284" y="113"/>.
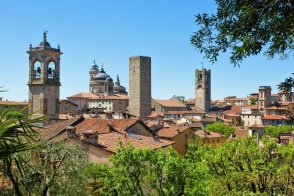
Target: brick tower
<point x="140" y="86"/>
<point x="203" y="89"/>
<point x="44" y="80"/>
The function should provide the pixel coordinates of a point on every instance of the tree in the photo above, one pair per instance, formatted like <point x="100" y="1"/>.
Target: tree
<point x="253" y="101"/>
<point x="220" y="127"/>
<point x="16" y="132"/>
<point x="245" y="28"/>
<point x="274" y="131"/>
<point x="54" y="168"/>
<point x="287" y="85"/>
<point x="146" y="172"/>
<point x="242" y="167"/>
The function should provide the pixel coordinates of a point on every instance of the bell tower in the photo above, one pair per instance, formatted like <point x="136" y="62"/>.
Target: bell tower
<point x="44" y="80"/>
<point x="203" y="89"/>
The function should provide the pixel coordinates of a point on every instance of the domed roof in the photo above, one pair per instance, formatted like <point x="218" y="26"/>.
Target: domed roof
<point x="102" y="76"/>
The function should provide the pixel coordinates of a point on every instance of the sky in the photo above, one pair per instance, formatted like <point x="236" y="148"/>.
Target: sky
<point x="111" y="31"/>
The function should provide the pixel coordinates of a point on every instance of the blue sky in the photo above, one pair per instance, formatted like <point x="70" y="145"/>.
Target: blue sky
<point x="111" y="31"/>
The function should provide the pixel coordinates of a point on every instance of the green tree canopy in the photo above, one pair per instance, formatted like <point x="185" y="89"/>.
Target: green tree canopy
<point x="220" y="127"/>
<point x="274" y="131"/>
<point x="245" y="28"/>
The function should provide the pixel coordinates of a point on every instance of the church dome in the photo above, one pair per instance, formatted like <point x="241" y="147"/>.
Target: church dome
<point x="102" y="76"/>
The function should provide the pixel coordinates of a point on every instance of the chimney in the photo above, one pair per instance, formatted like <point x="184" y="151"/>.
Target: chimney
<point x="232" y="135"/>
<point x="91" y="137"/>
<point x="156" y="137"/>
<point x="71" y="132"/>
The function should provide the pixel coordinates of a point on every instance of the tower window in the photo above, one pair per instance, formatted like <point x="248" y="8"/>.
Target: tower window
<point x="199" y="77"/>
<point x="37" y="69"/>
<point x="51" y="70"/>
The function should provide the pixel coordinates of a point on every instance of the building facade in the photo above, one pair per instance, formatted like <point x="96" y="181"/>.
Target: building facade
<point x="140" y="86"/>
<point x="44" y="80"/>
<point x="203" y="89"/>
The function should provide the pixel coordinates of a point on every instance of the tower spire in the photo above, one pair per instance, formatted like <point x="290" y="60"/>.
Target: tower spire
<point x="117" y="79"/>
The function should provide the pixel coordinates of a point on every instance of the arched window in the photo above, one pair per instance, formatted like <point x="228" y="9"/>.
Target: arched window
<point x="51" y="70"/>
<point x="37" y="69"/>
<point x="199" y="77"/>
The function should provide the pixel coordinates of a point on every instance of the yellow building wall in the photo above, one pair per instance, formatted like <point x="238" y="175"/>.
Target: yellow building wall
<point x="181" y="141"/>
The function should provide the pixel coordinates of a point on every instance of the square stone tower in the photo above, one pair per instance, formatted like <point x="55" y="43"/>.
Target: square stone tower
<point x="140" y="86"/>
<point x="264" y="99"/>
<point x="44" y="80"/>
<point x="203" y="89"/>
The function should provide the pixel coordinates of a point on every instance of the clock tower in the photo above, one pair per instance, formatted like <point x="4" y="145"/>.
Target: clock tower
<point x="44" y="80"/>
<point x="203" y="89"/>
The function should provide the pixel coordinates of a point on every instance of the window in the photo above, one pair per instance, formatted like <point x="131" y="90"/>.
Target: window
<point x="37" y="69"/>
<point x="51" y="70"/>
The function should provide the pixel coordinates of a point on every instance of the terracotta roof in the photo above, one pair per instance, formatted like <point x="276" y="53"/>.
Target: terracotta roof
<point x="14" y="103"/>
<point x="52" y="130"/>
<point x="83" y="95"/>
<point x="185" y="112"/>
<point x="99" y="96"/>
<point x="111" y="141"/>
<point x="170" y="103"/>
<point x="166" y="125"/>
<point x="275" y="108"/>
<point x="155" y="114"/>
<point x="190" y="101"/>
<point x="285" y="103"/>
<point x="65" y="100"/>
<point x="241" y="133"/>
<point x="257" y="126"/>
<point x="105" y="126"/>
<point x="207" y="134"/>
<point x="231" y="114"/>
<point x="274" y="117"/>
<point x="172" y="131"/>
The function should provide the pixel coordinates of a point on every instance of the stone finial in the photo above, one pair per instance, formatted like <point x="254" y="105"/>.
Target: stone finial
<point x="45" y="36"/>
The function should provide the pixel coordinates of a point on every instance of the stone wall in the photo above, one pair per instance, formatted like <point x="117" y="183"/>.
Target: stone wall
<point x="140" y="86"/>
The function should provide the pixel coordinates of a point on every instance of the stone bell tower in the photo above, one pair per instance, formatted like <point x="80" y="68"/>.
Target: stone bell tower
<point x="203" y="89"/>
<point x="44" y="80"/>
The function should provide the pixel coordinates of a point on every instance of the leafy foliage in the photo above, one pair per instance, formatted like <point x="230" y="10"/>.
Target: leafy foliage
<point x="54" y="168"/>
<point x="287" y="85"/>
<point x="253" y="101"/>
<point x="145" y="172"/>
<point x="242" y="167"/>
<point x="238" y="167"/>
<point x="274" y="131"/>
<point x="220" y="127"/>
<point x="245" y="28"/>
<point x="16" y="132"/>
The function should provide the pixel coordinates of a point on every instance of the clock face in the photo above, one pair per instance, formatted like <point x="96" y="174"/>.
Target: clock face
<point x="200" y="93"/>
